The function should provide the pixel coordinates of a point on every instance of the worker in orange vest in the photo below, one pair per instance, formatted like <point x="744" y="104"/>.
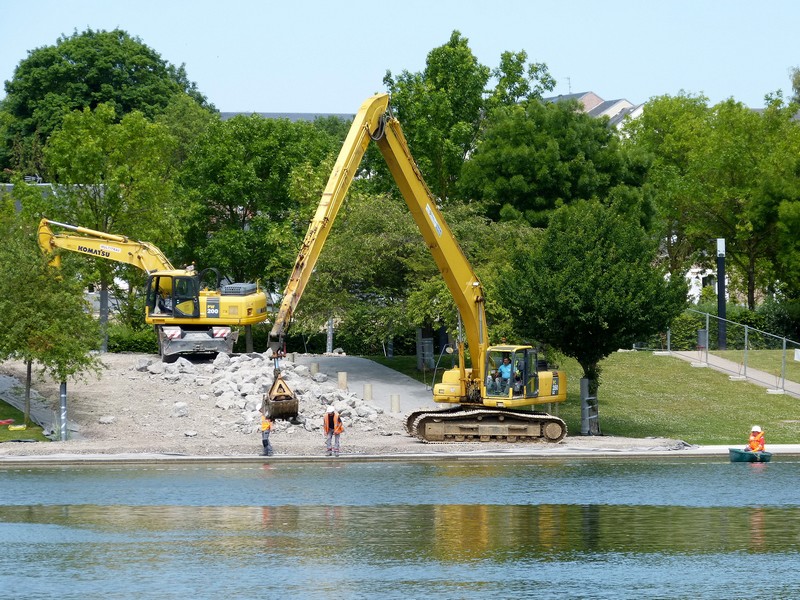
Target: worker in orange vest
<point x="756" y="441"/>
<point x="266" y="427"/>
<point x="333" y="427"/>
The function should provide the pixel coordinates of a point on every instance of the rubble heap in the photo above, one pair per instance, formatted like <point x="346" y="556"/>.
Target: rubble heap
<point x="236" y="385"/>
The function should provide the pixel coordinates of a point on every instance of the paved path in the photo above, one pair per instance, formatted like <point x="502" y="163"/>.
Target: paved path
<point x="733" y="369"/>
<point x="385" y="381"/>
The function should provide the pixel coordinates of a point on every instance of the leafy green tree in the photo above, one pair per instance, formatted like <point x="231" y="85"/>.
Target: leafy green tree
<point x="115" y="177"/>
<point x="442" y="108"/>
<point x="376" y="263"/>
<point x="794" y="74"/>
<point x="43" y="314"/>
<point x="238" y="179"/>
<point x="589" y="287"/>
<point x="186" y="120"/>
<point x="668" y="133"/>
<point x="725" y="171"/>
<point x="788" y="260"/>
<point x="535" y="156"/>
<point x="518" y="80"/>
<point x="746" y="166"/>
<point x="82" y="71"/>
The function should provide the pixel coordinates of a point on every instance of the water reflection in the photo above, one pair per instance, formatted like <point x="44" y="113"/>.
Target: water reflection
<point x="449" y="533"/>
<point x="400" y="531"/>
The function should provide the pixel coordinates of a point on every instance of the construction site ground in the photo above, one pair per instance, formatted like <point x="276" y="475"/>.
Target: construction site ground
<point x="129" y="414"/>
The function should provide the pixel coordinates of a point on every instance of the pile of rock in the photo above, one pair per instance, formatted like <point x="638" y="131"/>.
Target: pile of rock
<point x="238" y="384"/>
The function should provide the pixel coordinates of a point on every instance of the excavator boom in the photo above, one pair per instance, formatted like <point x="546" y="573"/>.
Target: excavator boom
<point x="99" y="244"/>
<point x="496" y="394"/>
<point x="372" y="123"/>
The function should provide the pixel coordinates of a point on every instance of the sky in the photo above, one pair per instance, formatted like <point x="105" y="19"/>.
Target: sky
<point x="328" y="57"/>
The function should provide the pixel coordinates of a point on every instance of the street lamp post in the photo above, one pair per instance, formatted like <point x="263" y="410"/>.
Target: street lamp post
<point x="722" y="342"/>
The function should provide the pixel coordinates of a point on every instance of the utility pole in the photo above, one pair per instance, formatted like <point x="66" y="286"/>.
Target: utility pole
<point x="722" y="342"/>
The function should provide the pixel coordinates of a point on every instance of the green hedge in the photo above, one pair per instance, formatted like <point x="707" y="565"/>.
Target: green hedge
<point x="124" y="339"/>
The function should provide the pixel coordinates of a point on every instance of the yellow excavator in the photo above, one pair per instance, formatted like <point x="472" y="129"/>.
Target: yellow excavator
<point x="494" y="398"/>
<point x="190" y="311"/>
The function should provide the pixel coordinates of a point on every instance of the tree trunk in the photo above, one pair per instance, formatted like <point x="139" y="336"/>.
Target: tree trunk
<point x="104" y="279"/>
<point x="27" y="411"/>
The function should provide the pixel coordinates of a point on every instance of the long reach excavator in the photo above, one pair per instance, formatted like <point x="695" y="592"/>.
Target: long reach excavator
<point x="494" y="398"/>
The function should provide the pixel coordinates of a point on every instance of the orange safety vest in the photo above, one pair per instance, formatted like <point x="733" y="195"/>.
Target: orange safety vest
<point x="756" y="442"/>
<point x="338" y="427"/>
<point x="266" y="424"/>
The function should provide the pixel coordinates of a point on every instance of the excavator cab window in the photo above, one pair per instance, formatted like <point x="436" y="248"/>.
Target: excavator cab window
<point x="173" y="296"/>
<point x="530" y="375"/>
<point x="159" y="295"/>
<point x="185" y="294"/>
<point x="512" y="373"/>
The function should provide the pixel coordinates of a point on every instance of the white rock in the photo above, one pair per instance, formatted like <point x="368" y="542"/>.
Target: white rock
<point x="156" y="368"/>
<point x="222" y="361"/>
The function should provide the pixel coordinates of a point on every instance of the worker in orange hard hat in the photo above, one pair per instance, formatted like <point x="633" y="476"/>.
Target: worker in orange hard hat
<point x="333" y="427"/>
<point x="756" y="441"/>
<point x="266" y="427"/>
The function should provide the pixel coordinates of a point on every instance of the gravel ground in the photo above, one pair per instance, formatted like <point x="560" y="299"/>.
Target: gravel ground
<point x="136" y="407"/>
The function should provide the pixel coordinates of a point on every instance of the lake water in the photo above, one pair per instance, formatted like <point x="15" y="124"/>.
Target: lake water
<point x="665" y="528"/>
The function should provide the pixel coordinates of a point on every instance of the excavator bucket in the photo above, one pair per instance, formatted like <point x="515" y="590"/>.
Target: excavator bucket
<point x="280" y="402"/>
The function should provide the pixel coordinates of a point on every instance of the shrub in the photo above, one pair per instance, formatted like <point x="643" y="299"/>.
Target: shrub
<point x="124" y="339"/>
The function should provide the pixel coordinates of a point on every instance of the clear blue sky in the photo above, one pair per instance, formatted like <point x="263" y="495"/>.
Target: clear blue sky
<point x="328" y="56"/>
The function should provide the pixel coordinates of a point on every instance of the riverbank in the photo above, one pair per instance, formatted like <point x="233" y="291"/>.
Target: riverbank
<point x="141" y="409"/>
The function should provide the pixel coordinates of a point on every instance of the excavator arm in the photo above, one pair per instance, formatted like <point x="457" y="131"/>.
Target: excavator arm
<point x="500" y="411"/>
<point x="374" y="123"/>
<point x="99" y="244"/>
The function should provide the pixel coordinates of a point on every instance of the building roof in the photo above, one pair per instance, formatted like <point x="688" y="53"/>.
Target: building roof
<point x="593" y="105"/>
<point x="287" y="115"/>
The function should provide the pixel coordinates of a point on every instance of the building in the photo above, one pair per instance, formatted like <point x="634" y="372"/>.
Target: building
<point x="617" y="111"/>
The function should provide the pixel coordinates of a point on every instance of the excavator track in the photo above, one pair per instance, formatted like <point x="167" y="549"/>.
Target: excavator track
<point x="484" y="425"/>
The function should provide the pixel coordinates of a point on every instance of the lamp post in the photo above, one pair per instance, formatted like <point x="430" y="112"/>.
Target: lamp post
<point x="722" y="342"/>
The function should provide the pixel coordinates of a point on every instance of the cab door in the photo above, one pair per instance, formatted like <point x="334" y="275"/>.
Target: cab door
<point x="186" y="297"/>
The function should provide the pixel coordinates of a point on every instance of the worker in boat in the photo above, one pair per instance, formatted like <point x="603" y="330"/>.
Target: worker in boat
<point x="333" y="428"/>
<point x="756" y="441"/>
<point x="266" y="428"/>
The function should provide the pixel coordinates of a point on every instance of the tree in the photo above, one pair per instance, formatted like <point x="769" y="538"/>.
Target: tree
<point x="442" y="108"/>
<point x="794" y="74"/>
<point x="376" y="275"/>
<point x="113" y="177"/>
<point x="238" y="176"/>
<point x="535" y="156"/>
<point x="43" y="314"/>
<point x="82" y="71"/>
<point x="668" y="133"/>
<point x="746" y="167"/>
<point x="590" y="287"/>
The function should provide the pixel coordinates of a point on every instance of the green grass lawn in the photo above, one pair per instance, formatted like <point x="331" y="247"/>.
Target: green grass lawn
<point x="33" y="432"/>
<point x="769" y="361"/>
<point x="643" y="395"/>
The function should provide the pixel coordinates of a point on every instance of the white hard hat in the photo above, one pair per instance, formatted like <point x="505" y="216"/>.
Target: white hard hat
<point x="756" y="428"/>
<point x="330" y="410"/>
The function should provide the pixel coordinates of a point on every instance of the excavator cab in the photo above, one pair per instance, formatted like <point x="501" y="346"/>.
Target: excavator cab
<point x="176" y="296"/>
<point x="511" y="372"/>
